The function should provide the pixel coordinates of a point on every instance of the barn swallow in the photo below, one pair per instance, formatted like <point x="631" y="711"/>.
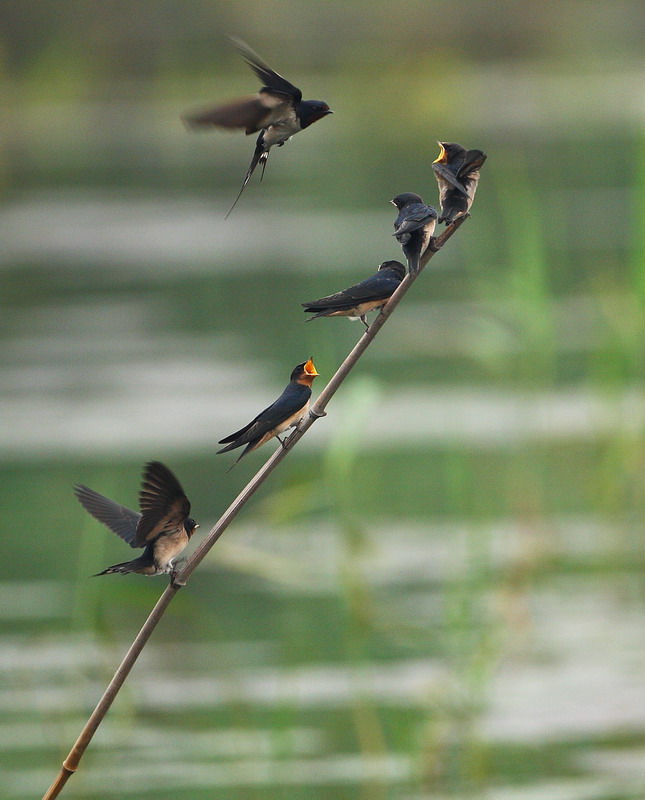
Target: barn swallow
<point x="277" y="111"/>
<point x="414" y="226"/>
<point x="163" y="527"/>
<point x="457" y="173"/>
<point x="286" y="412"/>
<point x="355" y="301"/>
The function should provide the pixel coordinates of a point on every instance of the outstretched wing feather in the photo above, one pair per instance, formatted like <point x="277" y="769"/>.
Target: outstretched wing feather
<point x="269" y="77"/>
<point x="119" y="519"/>
<point x="250" y="113"/>
<point x="164" y="506"/>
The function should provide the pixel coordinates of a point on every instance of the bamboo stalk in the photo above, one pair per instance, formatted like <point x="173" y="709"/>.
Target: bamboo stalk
<point x="317" y="410"/>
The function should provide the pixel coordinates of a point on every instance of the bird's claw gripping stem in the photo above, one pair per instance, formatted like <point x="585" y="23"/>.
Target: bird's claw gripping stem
<point x="174" y="581"/>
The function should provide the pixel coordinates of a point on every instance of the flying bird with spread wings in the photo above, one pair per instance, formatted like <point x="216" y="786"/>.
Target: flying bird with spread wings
<point x="277" y="111"/>
<point x="163" y="527"/>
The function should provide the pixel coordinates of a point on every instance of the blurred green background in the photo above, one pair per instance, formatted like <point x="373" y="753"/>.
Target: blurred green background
<point x="440" y="593"/>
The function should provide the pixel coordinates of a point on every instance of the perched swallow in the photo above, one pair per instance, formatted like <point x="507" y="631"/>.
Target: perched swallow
<point x="286" y="412"/>
<point x="457" y="173"/>
<point x="163" y="527"/>
<point x="355" y="301"/>
<point x="414" y="226"/>
<point x="277" y="111"/>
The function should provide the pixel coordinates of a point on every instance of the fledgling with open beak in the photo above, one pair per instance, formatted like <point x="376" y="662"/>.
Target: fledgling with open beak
<point x="414" y="226"/>
<point x="163" y="527"/>
<point x="356" y="301"/>
<point x="277" y="111"/>
<point x="286" y="412"/>
<point x="457" y="172"/>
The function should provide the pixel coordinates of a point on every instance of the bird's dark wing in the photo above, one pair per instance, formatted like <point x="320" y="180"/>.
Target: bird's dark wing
<point x="251" y="113"/>
<point x="164" y="506"/>
<point x="375" y="287"/>
<point x="233" y="436"/>
<point x="273" y="82"/>
<point x="123" y="521"/>
<point x="448" y="175"/>
<point x="473" y="161"/>
<point x="294" y="397"/>
<point x="413" y="217"/>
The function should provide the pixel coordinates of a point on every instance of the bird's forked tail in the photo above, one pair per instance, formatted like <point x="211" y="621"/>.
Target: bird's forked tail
<point x="259" y="156"/>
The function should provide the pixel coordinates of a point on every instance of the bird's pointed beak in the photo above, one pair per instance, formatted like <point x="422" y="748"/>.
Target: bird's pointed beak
<point x="443" y="156"/>
<point x="309" y="367"/>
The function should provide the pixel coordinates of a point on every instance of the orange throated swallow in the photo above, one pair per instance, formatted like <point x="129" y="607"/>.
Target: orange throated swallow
<point x="287" y="411"/>
<point x="457" y="173"/>
<point x="414" y="226"/>
<point x="163" y="527"/>
<point x="357" y="300"/>
<point x="277" y="111"/>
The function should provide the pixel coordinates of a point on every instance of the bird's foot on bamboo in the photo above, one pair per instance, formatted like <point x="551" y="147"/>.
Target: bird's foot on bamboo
<point x="175" y="580"/>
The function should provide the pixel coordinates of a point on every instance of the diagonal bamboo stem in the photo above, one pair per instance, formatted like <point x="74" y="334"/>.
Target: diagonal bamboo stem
<point x="70" y="765"/>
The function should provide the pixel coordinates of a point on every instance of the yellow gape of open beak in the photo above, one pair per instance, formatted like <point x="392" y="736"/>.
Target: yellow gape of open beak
<point x="309" y="367"/>
<point x="443" y="156"/>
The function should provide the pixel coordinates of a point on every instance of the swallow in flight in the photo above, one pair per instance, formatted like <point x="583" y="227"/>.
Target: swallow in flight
<point x="286" y="412"/>
<point x="457" y="173"/>
<point x="163" y="527"/>
<point x="277" y="111"/>
<point x="355" y="301"/>
<point x="414" y="226"/>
